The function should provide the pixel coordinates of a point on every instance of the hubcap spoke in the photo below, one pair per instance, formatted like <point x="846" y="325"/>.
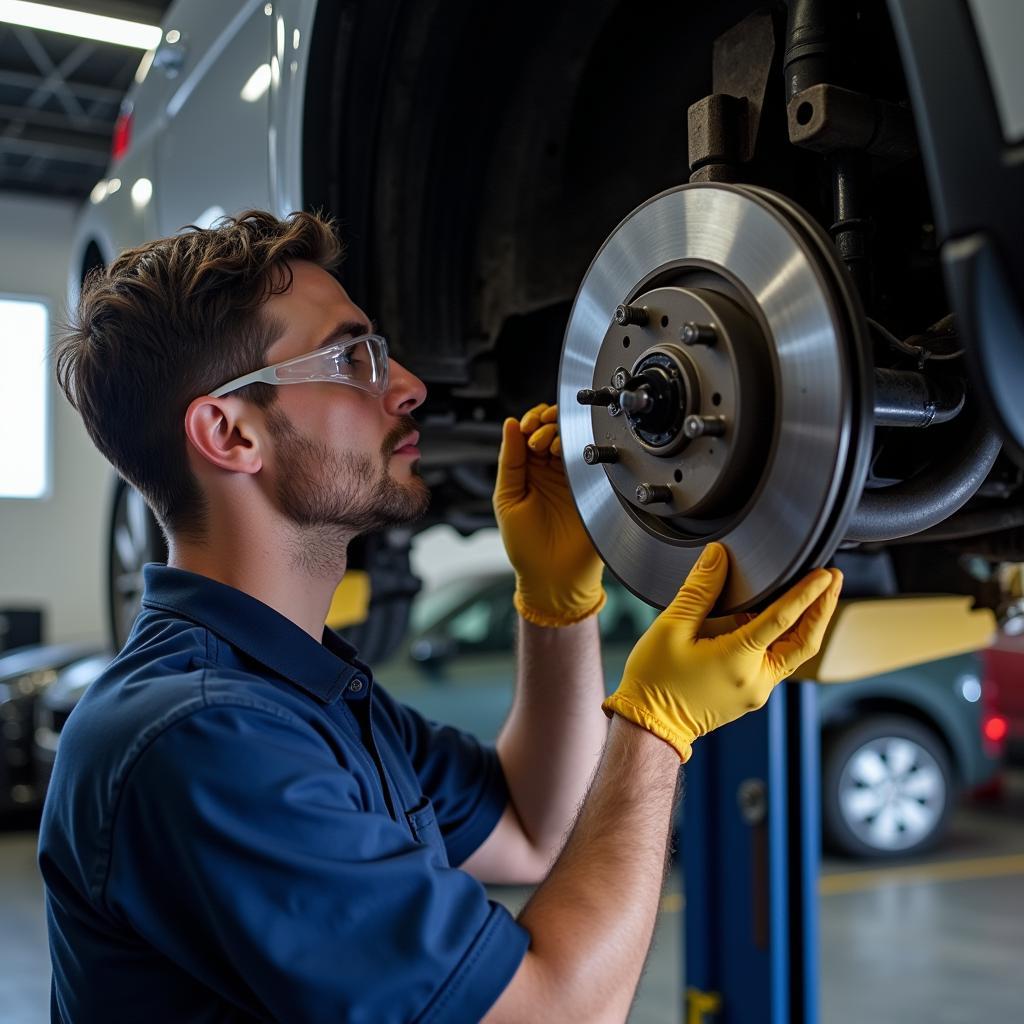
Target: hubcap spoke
<point x="901" y="756"/>
<point x="868" y="768"/>
<point x="862" y="803"/>
<point x="924" y="784"/>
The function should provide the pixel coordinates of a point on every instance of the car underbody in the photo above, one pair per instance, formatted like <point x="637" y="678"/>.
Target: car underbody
<point x="513" y="147"/>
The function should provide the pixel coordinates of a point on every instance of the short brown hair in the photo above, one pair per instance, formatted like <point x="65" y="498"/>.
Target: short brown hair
<point x="173" y="319"/>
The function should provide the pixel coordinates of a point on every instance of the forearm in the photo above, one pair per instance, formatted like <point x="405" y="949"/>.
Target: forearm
<point x="592" y="920"/>
<point x="552" y="740"/>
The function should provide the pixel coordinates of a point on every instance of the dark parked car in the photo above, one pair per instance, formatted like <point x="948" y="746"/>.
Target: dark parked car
<point x="897" y="749"/>
<point x="25" y="674"/>
<point x="54" y="705"/>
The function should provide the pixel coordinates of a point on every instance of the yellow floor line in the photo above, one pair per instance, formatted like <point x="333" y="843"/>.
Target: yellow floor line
<point x="911" y="874"/>
<point x="672" y="903"/>
<point x="918" y="874"/>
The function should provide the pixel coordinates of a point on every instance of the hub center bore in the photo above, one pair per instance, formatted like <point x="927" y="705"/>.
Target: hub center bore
<point x="658" y="396"/>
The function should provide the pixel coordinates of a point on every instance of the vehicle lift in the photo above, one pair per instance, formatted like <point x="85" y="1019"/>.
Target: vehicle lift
<point x="750" y="828"/>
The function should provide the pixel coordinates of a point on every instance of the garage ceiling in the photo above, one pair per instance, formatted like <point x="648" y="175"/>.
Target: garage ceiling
<point x="59" y="98"/>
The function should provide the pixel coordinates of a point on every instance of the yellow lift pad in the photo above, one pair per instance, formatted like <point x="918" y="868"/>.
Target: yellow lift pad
<point x="873" y="635"/>
<point x="351" y="601"/>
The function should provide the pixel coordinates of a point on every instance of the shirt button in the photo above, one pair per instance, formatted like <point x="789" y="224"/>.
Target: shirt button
<point x="356" y="685"/>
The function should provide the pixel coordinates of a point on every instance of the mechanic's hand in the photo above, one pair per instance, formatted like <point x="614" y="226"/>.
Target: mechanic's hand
<point x="558" y="572"/>
<point x="680" y="685"/>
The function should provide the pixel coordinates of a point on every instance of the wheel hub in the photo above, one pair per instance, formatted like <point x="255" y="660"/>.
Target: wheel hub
<point x="685" y="420"/>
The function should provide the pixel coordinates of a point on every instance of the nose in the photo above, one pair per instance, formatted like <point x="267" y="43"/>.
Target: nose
<point x="405" y="390"/>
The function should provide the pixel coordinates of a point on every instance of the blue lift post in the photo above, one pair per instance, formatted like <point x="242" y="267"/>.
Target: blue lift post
<point x="751" y="854"/>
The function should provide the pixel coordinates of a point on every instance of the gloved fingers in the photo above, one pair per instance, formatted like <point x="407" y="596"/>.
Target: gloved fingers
<point x="782" y="614"/>
<point x="533" y="418"/>
<point x="542" y="438"/>
<point x="550" y="414"/>
<point x="803" y="641"/>
<point x="697" y="596"/>
<point x="510" y="485"/>
<point x="556" y="447"/>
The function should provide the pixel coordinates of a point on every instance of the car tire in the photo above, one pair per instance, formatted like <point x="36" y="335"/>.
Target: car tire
<point x="133" y="538"/>
<point x="887" y="788"/>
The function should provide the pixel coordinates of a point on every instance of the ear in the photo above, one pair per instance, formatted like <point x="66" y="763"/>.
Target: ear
<point x="223" y="431"/>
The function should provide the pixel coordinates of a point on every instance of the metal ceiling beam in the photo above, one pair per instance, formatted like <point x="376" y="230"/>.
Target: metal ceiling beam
<point x="22" y="80"/>
<point x="92" y="153"/>
<point x="54" y="76"/>
<point x="44" y="119"/>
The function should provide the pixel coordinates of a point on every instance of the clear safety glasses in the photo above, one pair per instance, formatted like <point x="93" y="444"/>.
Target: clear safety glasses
<point x="361" y="363"/>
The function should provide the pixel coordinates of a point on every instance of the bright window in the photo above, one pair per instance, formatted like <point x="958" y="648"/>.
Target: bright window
<point x="24" y="329"/>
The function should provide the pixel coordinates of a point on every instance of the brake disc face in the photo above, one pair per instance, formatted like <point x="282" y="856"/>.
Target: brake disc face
<point x="722" y="351"/>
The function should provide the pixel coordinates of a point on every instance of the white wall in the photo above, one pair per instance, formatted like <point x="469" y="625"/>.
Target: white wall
<point x="52" y="550"/>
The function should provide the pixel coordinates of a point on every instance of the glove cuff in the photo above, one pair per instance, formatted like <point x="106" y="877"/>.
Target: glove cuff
<point x="639" y="715"/>
<point x="555" y="619"/>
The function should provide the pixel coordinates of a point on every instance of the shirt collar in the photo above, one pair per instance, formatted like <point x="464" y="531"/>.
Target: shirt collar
<point x="324" y="670"/>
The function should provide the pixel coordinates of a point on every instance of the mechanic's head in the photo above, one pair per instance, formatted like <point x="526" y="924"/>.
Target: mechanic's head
<point x="170" y="321"/>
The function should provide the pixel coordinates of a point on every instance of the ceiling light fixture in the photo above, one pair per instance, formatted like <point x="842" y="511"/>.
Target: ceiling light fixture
<point x="79" y="23"/>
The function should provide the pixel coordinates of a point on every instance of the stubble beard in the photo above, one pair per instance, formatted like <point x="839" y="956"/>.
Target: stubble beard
<point x="331" y="497"/>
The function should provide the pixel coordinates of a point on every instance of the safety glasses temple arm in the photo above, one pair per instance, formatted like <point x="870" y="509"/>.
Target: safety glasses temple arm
<point x="268" y="375"/>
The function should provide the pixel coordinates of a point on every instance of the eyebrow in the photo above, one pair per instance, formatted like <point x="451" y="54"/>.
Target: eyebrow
<point x="352" y="327"/>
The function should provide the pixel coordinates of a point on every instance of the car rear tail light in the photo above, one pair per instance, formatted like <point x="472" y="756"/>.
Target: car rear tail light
<point x="994" y="726"/>
<point x="122" y="136"/>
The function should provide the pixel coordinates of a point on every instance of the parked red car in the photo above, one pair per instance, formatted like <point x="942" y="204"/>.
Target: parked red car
<point x="1004" y="674"/>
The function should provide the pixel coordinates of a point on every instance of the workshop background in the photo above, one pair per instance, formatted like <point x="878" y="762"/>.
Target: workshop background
<point x="922" y="924"/>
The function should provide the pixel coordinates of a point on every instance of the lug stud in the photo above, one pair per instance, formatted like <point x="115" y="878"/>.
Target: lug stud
<point x="626" y="315"/>
<point x="620" y="378"/>
<point x="692" y="333"/>
<point x="704" y="426"/>
<point x="649" y="494"/>
<point x="602" y="396"/>
<point x="595" y="453"/>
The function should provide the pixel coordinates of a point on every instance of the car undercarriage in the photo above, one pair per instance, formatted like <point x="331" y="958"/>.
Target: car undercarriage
<point x="797" y="180"/>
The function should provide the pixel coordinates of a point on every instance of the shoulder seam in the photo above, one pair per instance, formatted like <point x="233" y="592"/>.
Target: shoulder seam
<point x="146" y="740"/>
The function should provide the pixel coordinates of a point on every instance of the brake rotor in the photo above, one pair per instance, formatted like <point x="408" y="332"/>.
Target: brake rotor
<point x="721" y="350"/>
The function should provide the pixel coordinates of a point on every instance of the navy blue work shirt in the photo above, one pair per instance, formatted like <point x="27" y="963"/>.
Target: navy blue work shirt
<point x="243" y="826"/>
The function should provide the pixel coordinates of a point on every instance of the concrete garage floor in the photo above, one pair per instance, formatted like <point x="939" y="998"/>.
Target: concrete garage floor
<point x="936" y="941"/>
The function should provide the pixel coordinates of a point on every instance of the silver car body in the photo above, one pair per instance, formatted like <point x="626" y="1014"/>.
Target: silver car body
<point x="218" y="109"/>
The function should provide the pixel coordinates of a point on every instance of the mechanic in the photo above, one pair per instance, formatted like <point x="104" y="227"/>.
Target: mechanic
<point x="242" y="825"/>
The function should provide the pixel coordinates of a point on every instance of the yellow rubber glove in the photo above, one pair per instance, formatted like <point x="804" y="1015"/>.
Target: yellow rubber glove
<point x="680" y="685"/>
<point x="558" y="572"/>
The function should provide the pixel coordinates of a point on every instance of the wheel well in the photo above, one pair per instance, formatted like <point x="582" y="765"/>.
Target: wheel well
<point x="91" y="260"/>
<point x="509" y="155"/>
<point x="858" y="710"/>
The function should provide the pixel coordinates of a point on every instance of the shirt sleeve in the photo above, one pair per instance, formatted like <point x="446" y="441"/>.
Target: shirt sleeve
<point x="462" y="776"/>
<point x="242" y="851"/>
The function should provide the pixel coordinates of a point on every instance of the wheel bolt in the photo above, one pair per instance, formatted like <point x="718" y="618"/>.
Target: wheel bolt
<point x="626" y="315"/>
<point x="602" y="396"/>
<point x="648" y="494"/>
<point x="704" y="426"/>
<point x="595" y="453"/>
<point x="692" y="333"/>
